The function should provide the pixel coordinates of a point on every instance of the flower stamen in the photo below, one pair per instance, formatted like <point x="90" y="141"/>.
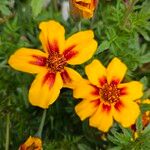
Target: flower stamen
<point x="56" y="62"/>
<point x="110" y="93"/>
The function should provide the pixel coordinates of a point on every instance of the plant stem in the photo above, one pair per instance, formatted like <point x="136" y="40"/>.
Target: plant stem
<point x="79" y="26"/>
<point x="129" y="10"/>
<point x="7" y="131"/>
<point x="39" y="133"/>
<point x="54" y="3"/>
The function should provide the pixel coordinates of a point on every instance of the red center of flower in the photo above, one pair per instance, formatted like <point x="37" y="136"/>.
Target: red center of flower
<point x="110" y="93"/>
<point x="56" y="62"/>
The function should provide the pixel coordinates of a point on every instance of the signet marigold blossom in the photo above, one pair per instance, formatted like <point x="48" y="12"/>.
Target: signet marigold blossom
<point x="32" y="143"/>
<point x="145" y="117"/>
<point x="83" y="8"/>
<point x="51" y="65"/>
<point x="105" y="98"/>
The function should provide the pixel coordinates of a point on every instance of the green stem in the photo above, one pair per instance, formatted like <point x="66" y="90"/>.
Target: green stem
<point x="129" y="10"/>
<point x="54" y="3"/>
<point x="79" y="26"/>
<point x="7" y="132"/>
<point x="39" y="133"/>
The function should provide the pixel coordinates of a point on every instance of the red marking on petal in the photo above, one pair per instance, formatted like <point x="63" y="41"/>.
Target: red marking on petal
<point x="118" y="105"/>
<point x="65" y="76"/>
<point x="52" y="47"/>
<point x="115" y="81"/>
<point x="49" y="79"/>
<point x="95" y="90"/>
<point x="39" y="60"/>
<point x="106" y="108"/>
<point x="69" y="52"/>
<point x="102" y="81"/>
<point x="96" y="102"/>
<point x="123" y="91"/>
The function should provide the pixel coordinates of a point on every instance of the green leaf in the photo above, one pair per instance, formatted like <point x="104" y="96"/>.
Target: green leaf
<point x="5" y="10"/>
<point x="145" y="107"/>
<point x="139" y="125"/>
<point x="37" y="7"/>
<point x="103" y="46"/>
<point x="145" y="58"/>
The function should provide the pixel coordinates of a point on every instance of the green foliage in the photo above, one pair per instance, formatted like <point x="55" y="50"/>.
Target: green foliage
<point x="121" y="29"/>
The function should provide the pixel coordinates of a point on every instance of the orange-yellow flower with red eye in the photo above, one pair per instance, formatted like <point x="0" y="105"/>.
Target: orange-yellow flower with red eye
<point x="51" y="65"/>
<point x="105" y="98"/>
<point x="32" y="143"/>
<point x="83" y="8"/>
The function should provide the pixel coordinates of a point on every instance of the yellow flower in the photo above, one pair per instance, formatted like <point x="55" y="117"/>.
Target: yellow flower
<point x="83" y="8"/>
<point x="105" y="98"/>
<point x="51" y="65"/>
<point x="32" y="143"/>
<point x="145" y="118"/>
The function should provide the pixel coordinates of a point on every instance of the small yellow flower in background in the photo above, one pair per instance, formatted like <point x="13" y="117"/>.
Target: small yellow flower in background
<point x="51" y="65"/>
<point x="105" y="98"/>
<point x="83" y="8"/>
<point x="32" y="143"/>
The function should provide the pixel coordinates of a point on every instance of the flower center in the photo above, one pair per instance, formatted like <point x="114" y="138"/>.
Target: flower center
<point x="56" y="62"/>
<point x="110" y="93"/>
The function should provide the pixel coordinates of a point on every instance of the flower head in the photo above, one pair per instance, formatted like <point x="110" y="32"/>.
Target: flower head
<point x="51" y="65"/>
<point x="83" y="8"/>
<point x="32" y="143"/>
<point x="105" y="98"/>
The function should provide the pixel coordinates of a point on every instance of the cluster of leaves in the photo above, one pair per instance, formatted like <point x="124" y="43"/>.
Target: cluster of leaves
<point x="121" y="28"/>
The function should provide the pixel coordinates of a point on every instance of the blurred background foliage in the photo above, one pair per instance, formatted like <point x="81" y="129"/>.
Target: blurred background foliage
<point x="122" y="29"/>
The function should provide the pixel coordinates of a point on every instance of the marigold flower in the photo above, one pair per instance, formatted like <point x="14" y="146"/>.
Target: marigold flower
<point x="145" y="118"/>
<point x="83" y="8"/>
<point x="105" y="97"/>
<point x="32" y="143"/>
<point x="51" y="65"/>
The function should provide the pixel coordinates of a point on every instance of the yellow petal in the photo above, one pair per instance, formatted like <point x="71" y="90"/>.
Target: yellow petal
<point x="80" y="47"/>
<point x="28" y="60"/>
<point x="126" y="112"/>
<point x="86" y="108"/>
<point x="96" y="73"/>
<point x="70" y="77"/>
<point x="52" y="36"/>
<point x="116" y="71"/>
<point x="34" y="143"/>
<point x="45" y="89"/>
<point x="102" y="118"/>
<point x="86" y="90"/>
<point x="131" y="90"/>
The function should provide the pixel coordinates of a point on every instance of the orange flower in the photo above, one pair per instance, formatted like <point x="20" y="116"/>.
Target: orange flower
<point x="105" y="98"/>
<point x="83" y="8"/>
<point x="51" y="65"/>
<point x="32" y="143"/>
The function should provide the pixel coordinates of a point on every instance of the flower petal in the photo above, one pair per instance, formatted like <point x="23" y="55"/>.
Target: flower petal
<point x="70" y="77"/>
<point x="126" y="112"/>
<point x="131" y="90"/>
<point x="45" y="89"/>
<point x="116" y="71"/>
<point x="52" y="36"/>
<point x="102" y="118"/>
<point x="86" y="90"/>
<point x="96" y="73"/>
<point x="28" y="60"/>
<point x="80" y="47"/>
<point x="86" y="108"/>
